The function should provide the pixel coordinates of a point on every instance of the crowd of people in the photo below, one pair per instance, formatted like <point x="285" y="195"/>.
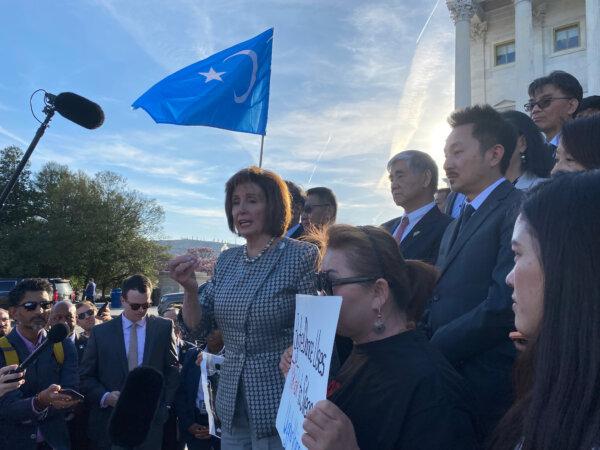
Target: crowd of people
<point x="469" y="321"/>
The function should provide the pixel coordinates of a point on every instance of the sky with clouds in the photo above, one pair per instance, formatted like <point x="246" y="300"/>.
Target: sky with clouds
<point x="352" y="82"/>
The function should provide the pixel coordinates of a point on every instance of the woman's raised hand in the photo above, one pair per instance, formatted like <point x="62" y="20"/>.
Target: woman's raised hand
<point x="181" y="269"/>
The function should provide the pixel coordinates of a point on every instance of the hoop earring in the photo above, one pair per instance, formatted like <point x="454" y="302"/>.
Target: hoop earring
<point x="379" y="325"/>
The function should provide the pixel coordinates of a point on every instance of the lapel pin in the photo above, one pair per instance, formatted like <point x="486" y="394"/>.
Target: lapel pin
<point x="416" y="233"/>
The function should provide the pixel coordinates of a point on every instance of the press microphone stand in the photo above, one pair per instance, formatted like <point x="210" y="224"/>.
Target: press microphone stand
<point x="49" y="110"/>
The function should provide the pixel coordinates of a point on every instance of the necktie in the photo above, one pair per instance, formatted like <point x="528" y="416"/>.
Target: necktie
<point x="464" y="217"/>
<point x="132" y="355"/>
<point x="400" y="229"/>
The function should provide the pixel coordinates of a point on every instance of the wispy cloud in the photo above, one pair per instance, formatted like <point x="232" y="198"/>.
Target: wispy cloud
<point x="194" y="212"/>
<point x="12" y="136"/>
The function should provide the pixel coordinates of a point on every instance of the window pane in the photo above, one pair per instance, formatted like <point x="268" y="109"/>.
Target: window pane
<point x="566" y="38"/>
<point x="505" y="53"/>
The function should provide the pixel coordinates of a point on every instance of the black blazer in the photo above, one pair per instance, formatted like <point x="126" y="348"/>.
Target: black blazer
<point x="423" y="241"/>
<point x="470" y="314"/>
<point x="104" y="369"/>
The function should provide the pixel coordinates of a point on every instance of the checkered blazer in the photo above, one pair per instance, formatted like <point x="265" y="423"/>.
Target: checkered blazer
<point x="254" y="306"/>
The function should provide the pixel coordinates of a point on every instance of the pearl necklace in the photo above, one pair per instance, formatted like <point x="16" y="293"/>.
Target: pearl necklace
<point x="249" y="259"/>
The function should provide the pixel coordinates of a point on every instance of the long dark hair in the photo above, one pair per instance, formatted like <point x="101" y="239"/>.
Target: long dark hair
<point x="558" y="376"/>
<point x="538" y="158"/>
<point x="581" y="140"/>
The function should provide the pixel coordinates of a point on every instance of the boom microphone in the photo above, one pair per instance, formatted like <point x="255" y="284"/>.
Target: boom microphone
<point x="56" y="334"/>
<point x="134" y="412"/>
<point x="77" y="109"/>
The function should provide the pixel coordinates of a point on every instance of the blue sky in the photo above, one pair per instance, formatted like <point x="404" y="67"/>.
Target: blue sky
<point x="352" y="83"/>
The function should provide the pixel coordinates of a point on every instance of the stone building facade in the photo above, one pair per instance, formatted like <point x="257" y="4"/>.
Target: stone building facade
<point x="502" y="45"/>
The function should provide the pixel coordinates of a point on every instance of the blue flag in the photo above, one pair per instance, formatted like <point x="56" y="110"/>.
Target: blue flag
<point x="229" y="90"/>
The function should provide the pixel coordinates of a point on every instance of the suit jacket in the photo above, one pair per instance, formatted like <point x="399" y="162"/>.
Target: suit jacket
<point x="254" y="306"/>
<point x="18" y="421"/>
<point x="104" y="369"/>
<point x="80" y="344"/>
<point x="423" y="241"/>
<point x="298" y="233"/>
<point x="470" y="314"/>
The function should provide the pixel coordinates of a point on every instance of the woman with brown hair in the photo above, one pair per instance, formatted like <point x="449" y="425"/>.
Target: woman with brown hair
<point x="252" y="299"/>
<point x="395" y="391"/>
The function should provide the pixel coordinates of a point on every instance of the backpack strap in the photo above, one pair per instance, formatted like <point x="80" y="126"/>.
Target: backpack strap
<point x="10" y="354"/>
<point x="59" y="353"/>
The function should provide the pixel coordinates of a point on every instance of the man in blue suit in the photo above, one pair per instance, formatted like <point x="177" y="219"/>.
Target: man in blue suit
<point x="33" y="417"/>
<point x="414" y="179"/>
<point x="470" y="314"/>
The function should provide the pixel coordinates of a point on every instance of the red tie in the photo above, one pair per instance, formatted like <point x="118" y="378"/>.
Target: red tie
<point x="400" y="230"/>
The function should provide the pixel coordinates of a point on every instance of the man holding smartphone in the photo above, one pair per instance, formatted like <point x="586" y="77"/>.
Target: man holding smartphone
<point x="33" y="416"/>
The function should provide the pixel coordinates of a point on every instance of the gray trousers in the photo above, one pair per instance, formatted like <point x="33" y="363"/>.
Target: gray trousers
<point x="242" y="436"/>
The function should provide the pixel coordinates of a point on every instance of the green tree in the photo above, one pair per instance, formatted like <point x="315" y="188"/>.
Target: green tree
<point x="78" y="226"/>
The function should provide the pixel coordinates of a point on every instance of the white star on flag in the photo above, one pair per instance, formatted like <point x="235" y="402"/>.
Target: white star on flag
<point x="212" y="75"/>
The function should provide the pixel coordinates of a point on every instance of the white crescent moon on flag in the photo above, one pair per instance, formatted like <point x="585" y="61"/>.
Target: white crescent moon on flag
<point x="252" y="55"/>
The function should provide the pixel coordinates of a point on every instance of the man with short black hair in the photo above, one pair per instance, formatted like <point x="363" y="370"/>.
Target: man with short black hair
<point x="32" y="417"/>
<point x="5" y="325"/>
<point x="440" y="197"/>
<point x="418" y="232"/>
<point x="553" y="100"/>
<point x="295" y="229"/>
<point x="589" y="106"/>
<point x="320" y="208"/>
<point x="470" y="314"/>
<point x="117" y="347"/>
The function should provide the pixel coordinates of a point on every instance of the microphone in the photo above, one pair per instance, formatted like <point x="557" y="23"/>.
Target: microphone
<point x="134" y="412"/>
<point x="77" y="109"/>
<point x="56" y="334"/>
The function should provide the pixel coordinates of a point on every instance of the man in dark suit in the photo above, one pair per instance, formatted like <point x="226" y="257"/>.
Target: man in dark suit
<point x="33" y="416"/>
<point x="66" y="312"/>
<point x="117" y="347"/>
<point x="296" y="230"/>
<point x="470" y="314"/>
<point x="414" y="178"/>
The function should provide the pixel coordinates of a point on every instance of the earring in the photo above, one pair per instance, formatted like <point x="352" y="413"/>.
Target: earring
<point x="523" y="157"/>
<point x="379" y="325"/>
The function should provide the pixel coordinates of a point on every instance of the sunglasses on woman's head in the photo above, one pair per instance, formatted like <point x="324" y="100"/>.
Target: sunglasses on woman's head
<point x="86" y="314"/>
<point x="136" y="306"/>
<point x="32" y="306"/>
<point x="326" y="284"/>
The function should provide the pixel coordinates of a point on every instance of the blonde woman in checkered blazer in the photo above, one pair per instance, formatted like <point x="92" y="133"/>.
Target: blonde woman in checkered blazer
<point x="251" y="298"/>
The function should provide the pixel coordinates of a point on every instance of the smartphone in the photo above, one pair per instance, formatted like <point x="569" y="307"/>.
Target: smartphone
<point x="103" y="309"/>
<point x="72" y="393"/>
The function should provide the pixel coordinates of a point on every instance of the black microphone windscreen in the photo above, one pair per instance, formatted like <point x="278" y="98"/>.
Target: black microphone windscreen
<point x="131" y="419"/>
<point x="79" y="109"/>
<point x="58" y="332"/>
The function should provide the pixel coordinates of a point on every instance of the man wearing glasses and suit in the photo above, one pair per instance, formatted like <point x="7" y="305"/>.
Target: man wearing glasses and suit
<point x="117" y="347"/>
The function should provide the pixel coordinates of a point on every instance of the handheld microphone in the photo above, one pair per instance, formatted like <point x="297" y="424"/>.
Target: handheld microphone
<point x="56" y="334"/>
<point x="77" y="109"/>
<point x="134" y="412"/>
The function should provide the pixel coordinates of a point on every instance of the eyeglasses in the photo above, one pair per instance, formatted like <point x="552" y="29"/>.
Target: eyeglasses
<point x="326" y="284"/>
<point x="136" y="306"/>
<point x="84" y="315"/>
<point x="308" y="208"/>
<point x="543" y="103"/>
<point x="32" y="306"/>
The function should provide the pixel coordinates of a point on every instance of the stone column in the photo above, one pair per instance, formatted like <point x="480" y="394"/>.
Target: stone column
<point x="523" y="51"/>
<point x="592" y="14"/>
<point x="462" y="11"/>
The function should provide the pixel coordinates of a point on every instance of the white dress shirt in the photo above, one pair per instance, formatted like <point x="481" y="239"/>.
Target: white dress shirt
<point x="483" y="195"/>
<point x="413" y="218"/>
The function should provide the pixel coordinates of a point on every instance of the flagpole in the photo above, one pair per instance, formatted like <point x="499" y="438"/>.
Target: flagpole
<point x="262" y="143"/>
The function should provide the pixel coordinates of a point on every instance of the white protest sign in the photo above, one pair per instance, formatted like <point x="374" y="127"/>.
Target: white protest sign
<point x="306" y="382"/>
<point x="208" y="367"/>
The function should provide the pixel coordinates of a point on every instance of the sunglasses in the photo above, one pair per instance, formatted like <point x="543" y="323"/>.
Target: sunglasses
<point x="137" y="306"/>
<point x="543" y="103"/>
<point x="84" y="315"/>
<point x="326" y="284"/>
<point x="308" y="208"/>
<point x="32" y="306"/>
